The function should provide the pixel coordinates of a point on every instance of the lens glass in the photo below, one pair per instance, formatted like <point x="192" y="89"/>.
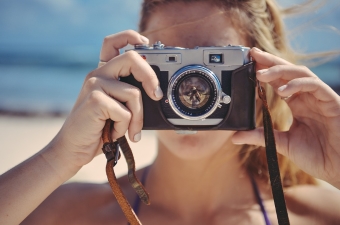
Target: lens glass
<point x="194" y="92"/>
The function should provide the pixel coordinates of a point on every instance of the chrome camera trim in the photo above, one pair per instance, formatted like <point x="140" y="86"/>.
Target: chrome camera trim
<point x="189" y="70"/>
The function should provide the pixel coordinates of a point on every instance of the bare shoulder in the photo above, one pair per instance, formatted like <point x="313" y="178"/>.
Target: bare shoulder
<point x="81" y="203"/>
<point x="319" y="204"/>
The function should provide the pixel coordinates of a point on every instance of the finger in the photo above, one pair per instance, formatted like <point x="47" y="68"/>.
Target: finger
<point x="130" y="95"/>
<point x="123" y="93"/>
<point x="312" y="85"/>
<point x="121" y="121"/>
<point x="132" y="63"/>
<point x="279" y="75"/>
<point x="106" y="108"/>
<point x="265" y="59"/>
<point x="284" y="72"/>
<point x="256" y="137"/>
<point x="252" y="137"/>
<point x="114" y="42"/>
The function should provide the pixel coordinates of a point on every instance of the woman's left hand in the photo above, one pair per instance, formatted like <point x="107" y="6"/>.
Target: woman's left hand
<point x="313" y="140"/>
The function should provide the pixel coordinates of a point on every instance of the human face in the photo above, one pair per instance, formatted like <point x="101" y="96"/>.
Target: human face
<point x="201" y="24"/>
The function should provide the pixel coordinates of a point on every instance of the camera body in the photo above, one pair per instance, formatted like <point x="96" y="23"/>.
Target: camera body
<point x="205" y="88"/>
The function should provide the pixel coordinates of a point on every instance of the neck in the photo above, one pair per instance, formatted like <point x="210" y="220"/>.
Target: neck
<point x="204" y="185"/>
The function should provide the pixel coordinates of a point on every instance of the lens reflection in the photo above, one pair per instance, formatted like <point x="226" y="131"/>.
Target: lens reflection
<point x="194" y="92"/>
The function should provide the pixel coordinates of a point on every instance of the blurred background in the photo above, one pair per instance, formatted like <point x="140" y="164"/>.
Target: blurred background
<point x="47" y="47"/>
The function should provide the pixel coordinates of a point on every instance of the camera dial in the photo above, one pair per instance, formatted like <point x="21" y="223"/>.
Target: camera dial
<point x="195" y="92"/>
<point x="158" y="45"/>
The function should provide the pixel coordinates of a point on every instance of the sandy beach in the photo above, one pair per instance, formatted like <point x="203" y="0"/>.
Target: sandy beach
<point x="22" y="137"/>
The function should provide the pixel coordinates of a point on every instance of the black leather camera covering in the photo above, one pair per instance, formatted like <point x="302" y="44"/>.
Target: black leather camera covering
<point x="239" y="114"/>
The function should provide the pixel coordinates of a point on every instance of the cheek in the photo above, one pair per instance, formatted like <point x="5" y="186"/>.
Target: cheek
<point x="196" y="146"/>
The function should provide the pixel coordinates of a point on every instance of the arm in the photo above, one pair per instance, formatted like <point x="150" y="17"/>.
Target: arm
<point x="24" y="187"/>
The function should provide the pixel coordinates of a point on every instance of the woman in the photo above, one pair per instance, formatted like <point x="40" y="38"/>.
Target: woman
<point x="204" y="178"/>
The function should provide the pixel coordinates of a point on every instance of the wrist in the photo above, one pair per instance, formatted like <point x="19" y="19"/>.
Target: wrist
<point x="60" y="162"/>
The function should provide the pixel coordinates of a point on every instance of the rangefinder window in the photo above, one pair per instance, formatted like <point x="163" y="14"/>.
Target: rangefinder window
<point x="215" y="58"/>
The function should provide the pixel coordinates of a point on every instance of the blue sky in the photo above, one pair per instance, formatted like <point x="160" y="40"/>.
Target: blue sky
<point x="77" y="25"/>
<point x="64" y="22"/>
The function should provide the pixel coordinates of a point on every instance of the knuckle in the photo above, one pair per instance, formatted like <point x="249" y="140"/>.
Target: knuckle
<point x="304" y="68"/>
<point x="135" y="93"/>
<point x="119" y="130"/>
<point x="95" y="98"/>
<point x="277" y="69"/>
<point x="132" y="55"/>
<point x="89" y="75"/>
<point x="127" y="115"/>
<point x="106" y="39"/>
<point x="91" y="83"/>
<point x="118" y="133"/>
<point x="307" y="71"/>
<point x="130" y="32"/>
<point x="315" y="80"/>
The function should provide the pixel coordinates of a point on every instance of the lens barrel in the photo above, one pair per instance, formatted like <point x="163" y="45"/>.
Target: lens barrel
<point x="194" y="92"/>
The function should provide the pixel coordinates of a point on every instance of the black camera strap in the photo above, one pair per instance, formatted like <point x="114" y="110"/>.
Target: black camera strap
<point x="111" y="151"/>
<point x="273" y="165"/>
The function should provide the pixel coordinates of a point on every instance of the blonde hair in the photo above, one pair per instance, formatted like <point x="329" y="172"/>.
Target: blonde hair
<point x="264" y="28"/>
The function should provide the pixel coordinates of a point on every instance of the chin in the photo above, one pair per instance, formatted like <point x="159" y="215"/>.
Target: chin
<point x="197" y="146"/>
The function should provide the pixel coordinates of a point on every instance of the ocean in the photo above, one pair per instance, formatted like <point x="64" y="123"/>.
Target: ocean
<point x="40" y="90"/>
<point x="53" y="89"/>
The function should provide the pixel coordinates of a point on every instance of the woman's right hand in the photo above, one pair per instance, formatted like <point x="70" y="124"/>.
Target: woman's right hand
<point x="101" y="98"/>
<point x="79" y="140"/>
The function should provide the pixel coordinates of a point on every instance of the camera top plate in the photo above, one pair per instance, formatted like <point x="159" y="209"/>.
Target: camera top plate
<point x="216" y="58"/>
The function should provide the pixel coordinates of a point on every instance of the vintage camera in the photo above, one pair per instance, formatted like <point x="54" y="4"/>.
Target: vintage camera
<point x="205" y="88"/>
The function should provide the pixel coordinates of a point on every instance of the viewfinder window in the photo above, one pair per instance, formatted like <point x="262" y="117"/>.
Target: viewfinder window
<point x="172" y="58"/>
<point x="215" y="58"/>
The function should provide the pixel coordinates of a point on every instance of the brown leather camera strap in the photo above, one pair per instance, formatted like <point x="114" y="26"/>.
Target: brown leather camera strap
<point x="111" y="151"/>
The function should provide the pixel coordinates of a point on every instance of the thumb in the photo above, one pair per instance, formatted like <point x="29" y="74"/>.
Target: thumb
<point x="256" y="137"/>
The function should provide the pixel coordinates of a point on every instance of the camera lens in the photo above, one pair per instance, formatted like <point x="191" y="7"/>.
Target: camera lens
<point x="194" y="92"/>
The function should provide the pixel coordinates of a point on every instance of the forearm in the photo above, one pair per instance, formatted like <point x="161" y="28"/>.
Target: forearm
<point x="25" y="186"/>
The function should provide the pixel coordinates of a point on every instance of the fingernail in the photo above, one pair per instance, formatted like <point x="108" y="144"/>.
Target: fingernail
<point x="137" y="137"/>
<point x="144" y="39"/>
<point x="262" y="71"/>
<point x="282" y="88"/>
<point x="257" y="49"/>
<point x="158" y="92"/>
<point x="236" y="143"/>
